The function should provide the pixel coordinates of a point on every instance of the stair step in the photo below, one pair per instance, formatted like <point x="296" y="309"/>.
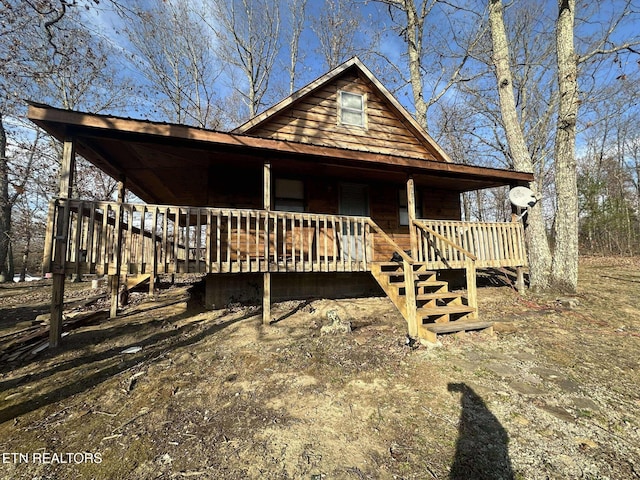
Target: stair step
<point x="400" y="273"/>
<point x="458" y="326"/>
<point x="395" y="268"/>
<point x="438" y="296"/>
<point x="389" y="264"/>
<point x="431" y="283"/>
<point x="433" y="311"/>
<point x="395" y="281"/>
<point x="428" y="290"/>
<point x="399" y="264"/>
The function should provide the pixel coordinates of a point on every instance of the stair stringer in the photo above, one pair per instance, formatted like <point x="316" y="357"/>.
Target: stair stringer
<point x="405" y="303"/>
<point x="391" y="290"/>
<point x="414" y="287"/>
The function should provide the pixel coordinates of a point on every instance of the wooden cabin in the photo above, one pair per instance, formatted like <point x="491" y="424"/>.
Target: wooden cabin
<point x="334" y="190"/>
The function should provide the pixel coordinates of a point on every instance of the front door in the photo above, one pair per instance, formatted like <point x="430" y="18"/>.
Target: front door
<point x="354" y="201"/>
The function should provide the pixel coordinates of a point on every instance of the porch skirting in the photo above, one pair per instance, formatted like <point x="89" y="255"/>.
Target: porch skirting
<point x="246" y="288"/>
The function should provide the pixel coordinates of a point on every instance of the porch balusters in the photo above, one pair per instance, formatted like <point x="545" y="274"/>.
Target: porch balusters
<point x="447" y="244"/>
<point x="169" y="239"/>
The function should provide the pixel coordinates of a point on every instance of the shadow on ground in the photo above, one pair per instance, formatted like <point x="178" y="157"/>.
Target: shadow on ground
<point x="482" y="451"/>
<point x="106" y="363"/>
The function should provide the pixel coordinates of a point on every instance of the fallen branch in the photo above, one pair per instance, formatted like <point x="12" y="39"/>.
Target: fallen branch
<point x="34" y="342"/>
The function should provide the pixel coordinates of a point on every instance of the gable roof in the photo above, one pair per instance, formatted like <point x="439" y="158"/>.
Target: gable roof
<point x="289" y="119"/>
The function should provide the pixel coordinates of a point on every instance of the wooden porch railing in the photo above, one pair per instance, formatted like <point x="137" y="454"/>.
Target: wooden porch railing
<point x="449" y="244"/>
<point x="158" y="239"/>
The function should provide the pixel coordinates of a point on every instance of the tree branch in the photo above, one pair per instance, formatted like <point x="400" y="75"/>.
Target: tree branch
<point x="48" y="25"/>
<point x="607" y="51"/>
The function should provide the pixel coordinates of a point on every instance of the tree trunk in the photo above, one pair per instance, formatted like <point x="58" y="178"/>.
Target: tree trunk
<point x="413" y="32"/>
<point x="466" y="207"/>
<point x="25" y="256"/>
<point x="297" y="10"/>
<point x="5" y="206"/>
<point x="535" y="234"/>
<point x="480" y="204"/>
<point x="11" y="266"/>
<point x="565" y="259"/>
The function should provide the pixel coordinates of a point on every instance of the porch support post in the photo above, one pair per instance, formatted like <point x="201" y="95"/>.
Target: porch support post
<point x="472" y="294"/>
<point x="154" y="252"/>
<point x="114" y="280"/>
<point x="266" y="276"/>
<point x="67" y="169"/>
<point x="410" y="300"/>
<point x="520" y="280"/>
<point x="411" y="210"/>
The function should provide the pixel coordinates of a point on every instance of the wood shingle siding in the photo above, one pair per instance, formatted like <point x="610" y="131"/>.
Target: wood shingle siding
<point x="314" y="120"/>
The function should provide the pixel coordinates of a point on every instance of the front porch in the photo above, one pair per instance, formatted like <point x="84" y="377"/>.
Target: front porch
<point x="221" y="203"/>
<point x="119" y="239"/>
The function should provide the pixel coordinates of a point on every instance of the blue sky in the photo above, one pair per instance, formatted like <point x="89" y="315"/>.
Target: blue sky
<point x="105" y="22"/>
<point x="594" y="19"/>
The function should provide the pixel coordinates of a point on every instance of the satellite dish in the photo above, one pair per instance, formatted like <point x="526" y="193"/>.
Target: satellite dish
<point x="522" y="197"/>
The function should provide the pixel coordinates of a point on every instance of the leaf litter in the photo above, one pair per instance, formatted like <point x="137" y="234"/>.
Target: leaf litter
<point x="215" y="394"/>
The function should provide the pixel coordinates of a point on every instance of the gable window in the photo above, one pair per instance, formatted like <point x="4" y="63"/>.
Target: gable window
<point x="403" y="209"/>
<point x="289" y="195"/>
<point x="351" y="109"/>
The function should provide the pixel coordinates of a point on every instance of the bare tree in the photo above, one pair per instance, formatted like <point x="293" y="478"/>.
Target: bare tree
<point x="54" y="59"/>
<point x="565" y="258"/>
<point x="336" y="28"/>
<point x="82" y="75"/>
<point x="563" y="274"/>
<point x="16" y="19"/>
<point x="20" y="32"/>
<point x="297" y="17"/>
<point x="539" y="252"/>
<point x="607" y="168"/>
<point x="248" y="36"/>
<point x="6" y="204"/>
<point x="437" y="51"/>
<point x="29" y="204"/>
<point x="174" y="50"/>
<point x="607" y="208"/>
<point x="412" y="29"/>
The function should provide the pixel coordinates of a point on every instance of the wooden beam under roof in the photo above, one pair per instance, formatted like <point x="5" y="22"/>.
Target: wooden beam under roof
<point x="95" y="132"/>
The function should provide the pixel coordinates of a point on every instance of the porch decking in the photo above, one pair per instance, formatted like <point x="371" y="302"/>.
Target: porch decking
<point x="118" y="239"/>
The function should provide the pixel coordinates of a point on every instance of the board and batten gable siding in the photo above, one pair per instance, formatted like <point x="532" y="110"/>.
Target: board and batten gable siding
<point x="313" y="119"/>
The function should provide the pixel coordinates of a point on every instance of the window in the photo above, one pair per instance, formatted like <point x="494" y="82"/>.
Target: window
<point x="289" y="195"/>
<point x="403" y="210"/>
<point x="351" y="109"/>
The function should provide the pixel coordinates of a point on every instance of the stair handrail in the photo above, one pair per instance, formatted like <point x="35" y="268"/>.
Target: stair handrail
<point x="464" y="251"/>
<point x="470" y="265"/>
<point x="390" y="241"/>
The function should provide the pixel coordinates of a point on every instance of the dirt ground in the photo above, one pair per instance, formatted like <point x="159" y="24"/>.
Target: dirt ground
<point x="217" y="395"/>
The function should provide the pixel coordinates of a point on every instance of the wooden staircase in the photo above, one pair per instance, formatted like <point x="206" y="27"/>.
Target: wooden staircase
<point x="426" y="302"/>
